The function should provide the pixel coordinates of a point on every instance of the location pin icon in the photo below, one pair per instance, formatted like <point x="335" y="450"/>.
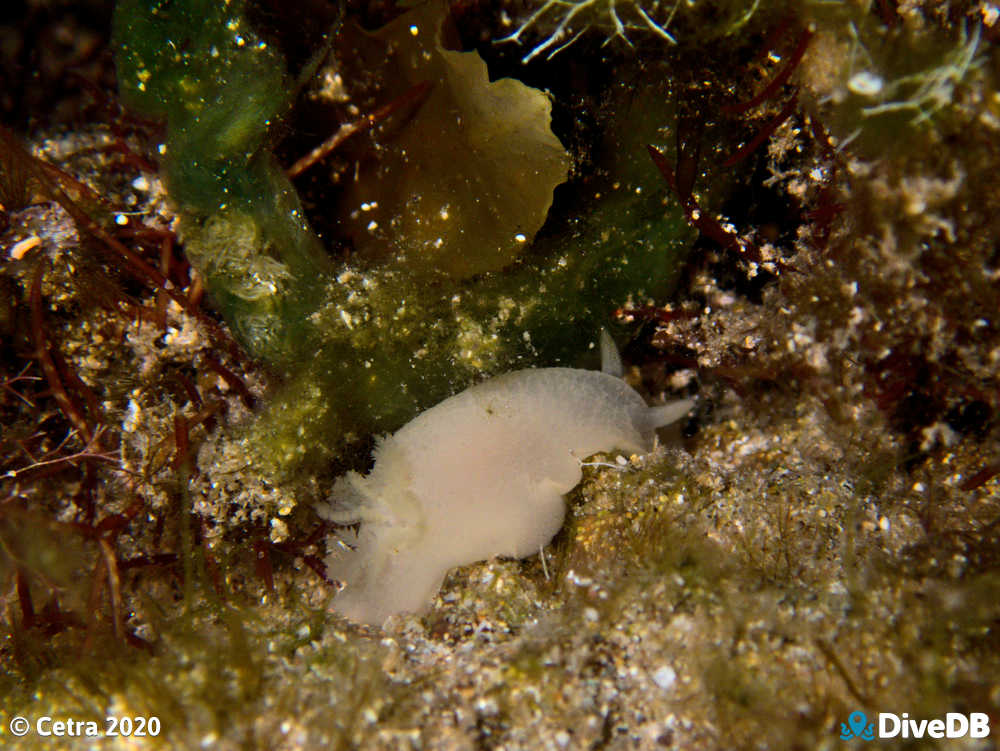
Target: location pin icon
<point x="857" y="721"/>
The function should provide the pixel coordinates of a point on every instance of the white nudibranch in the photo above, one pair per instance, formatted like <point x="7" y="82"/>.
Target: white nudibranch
<point x="481" y="474"/>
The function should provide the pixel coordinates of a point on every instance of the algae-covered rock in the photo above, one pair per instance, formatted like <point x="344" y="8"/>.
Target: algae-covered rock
<point x="56" y="559"/>
<point x="889" y="84"/>
<point x="826" y="543"/>
<point x="394" y="344"/>
<point x="459" y="190"/>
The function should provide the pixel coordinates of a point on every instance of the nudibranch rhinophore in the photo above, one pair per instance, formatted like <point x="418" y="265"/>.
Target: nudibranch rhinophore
<point x="481" y="474"/>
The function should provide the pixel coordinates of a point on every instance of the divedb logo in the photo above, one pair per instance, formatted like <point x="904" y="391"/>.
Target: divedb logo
<point x="889" y="725"/>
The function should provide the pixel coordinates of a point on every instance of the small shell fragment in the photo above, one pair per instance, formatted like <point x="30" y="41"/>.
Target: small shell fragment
<point x="20" y="249"/>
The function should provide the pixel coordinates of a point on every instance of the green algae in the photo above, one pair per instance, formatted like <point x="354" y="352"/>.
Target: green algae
<point x="222" y="89"/>
<point x="464" y="186"/>
<point x="396" y="345"/>
<point x="364" y="346"/>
